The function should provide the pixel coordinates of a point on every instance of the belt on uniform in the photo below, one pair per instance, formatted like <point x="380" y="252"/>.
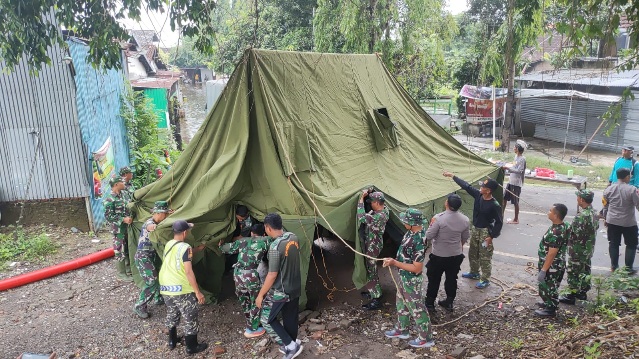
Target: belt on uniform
<point x="246" y="269"/>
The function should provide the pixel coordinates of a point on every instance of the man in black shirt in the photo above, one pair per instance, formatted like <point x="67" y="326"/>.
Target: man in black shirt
<point x="487" y="223"/>
<point x="280" y="293"/>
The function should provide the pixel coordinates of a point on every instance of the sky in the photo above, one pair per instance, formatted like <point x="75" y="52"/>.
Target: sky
<point x="156" y="21"/>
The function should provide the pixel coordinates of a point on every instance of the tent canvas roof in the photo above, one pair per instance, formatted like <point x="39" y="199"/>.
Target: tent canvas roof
<point x="294" y="130"/>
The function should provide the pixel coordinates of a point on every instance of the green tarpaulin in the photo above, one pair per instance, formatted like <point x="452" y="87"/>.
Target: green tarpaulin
<point x="341" y="123"/>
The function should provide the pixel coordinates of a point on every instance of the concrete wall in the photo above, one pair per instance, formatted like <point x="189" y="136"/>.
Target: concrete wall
<point x="64" y="213"/>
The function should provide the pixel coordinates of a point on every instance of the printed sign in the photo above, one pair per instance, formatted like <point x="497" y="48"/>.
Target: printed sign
<point x="103" y="168"/>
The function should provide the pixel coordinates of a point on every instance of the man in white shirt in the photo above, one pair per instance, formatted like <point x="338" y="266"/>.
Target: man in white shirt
<point x="515" y="182"/>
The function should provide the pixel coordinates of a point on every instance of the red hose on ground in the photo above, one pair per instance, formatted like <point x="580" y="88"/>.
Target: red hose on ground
<point x="48" y="272"/>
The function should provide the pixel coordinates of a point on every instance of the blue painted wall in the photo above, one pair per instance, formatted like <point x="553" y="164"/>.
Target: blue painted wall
<point x="98" y="104"/>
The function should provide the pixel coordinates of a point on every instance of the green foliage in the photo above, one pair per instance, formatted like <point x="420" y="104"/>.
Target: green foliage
<point x="186" y="55"/>
<point x="606" y="300"/>
<point x="24" y="29"/>
<point x="592" y="351"/>
<point x="147" y="143"/>
<point x="574" y="321"/>
<point x="19" y="245"/>
<point x="281" y="25"/>
<point x="411" y="37"/>
<point x="516" y="343"/>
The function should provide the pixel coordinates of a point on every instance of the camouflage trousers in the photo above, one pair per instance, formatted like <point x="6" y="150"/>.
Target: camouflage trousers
<point x="478" y="256"/>
<point x="146" y="267"/>
<point x="271" y="308"/>
<point x="182" y="306"/>
<point x="549" y="289"/>
<point x="373" y="286"/>
<point x="120" y="245"/>
<point x="247" y="287"/>
<point x="411" y="306"/>
<point x="578" y="271"/>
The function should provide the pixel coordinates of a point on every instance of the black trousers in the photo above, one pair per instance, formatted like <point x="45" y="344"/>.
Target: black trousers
<point x="614" y="241"/>
<point x="287" y="330"/>
<point x="437" y="266"/>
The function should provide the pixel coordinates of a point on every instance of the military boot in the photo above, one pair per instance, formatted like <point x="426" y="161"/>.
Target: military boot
<point x="192" y="346"/>
<point x="120" y="268"/>
<point x="567" y="299"/>
<point x="173" y="338"/>
<point x="374" y="304"/>
<point x="582" y="296"/>
<point x="446" y="304"/>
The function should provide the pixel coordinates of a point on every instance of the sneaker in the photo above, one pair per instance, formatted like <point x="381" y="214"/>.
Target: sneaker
<point x="396" y="333"/>
<point x="546" y="312"/>
<point x="140" y="313"/>
<point x="283" y="347"/>
<point x="421" y="343"/>
<point x="541" y="305"/>
<point x="293" y="353"/>
<point x="249" y="333"/>
<point x="470" y="275"/>
<point x="482" y="284"/>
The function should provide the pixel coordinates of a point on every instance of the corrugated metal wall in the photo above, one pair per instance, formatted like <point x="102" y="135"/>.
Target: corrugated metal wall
<point x="98" y="103"/>
<point x="39" y="130"/>
<point x="551" y="120"/>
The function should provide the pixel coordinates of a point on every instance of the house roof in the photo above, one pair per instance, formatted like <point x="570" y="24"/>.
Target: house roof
<point x="591" y="77"/>
<point x="545" y="44"/>
<point x="144" y="38"/>
<point x="155" y="82"/>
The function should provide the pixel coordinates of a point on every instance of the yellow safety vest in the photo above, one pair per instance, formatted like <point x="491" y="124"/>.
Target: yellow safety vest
<point x="172" y="276"/>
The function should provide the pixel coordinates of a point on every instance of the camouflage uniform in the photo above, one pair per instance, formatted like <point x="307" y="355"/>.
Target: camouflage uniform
<point x="250" y="252"/>
<point x="374" y="226"/>
<point x="129" y="189"/>
<point x="409" y="296"/>
<point x="555" y="237"/>
<point x="581" y="246"/>
<point x="145" y="257"/>
<point x="478" y="255"/>
<point x="114" y="211"/>
<point x="245" y="226"/>
<point x="184" y="306"/>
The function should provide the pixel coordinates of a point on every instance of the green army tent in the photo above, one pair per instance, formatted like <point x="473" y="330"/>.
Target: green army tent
<point x="302" y="134"/>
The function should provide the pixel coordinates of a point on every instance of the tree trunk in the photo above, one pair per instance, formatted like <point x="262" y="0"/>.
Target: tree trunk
<point x="509" y="80"/>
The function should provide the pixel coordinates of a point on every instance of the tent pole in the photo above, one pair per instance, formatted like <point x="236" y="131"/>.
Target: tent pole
<point x="494" y="115"/>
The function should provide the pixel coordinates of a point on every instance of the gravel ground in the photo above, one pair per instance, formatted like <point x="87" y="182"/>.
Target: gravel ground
<point x="87" y="313"/>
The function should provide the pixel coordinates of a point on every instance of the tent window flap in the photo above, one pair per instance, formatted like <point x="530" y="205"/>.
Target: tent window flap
<point x="296" y="144"/>
<point x="384" y="130"/>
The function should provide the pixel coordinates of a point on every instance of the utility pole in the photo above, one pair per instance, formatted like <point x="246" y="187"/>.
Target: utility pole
<point x="509" y="79"/>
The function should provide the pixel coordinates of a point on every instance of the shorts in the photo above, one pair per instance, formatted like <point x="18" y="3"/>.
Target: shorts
<point x="508" y="196"/>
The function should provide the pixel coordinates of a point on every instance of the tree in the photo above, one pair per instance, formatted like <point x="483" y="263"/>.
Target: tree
<point x="522" y="26"/>
<point x="29" y="27"/>
<point x="409" y="35"/>
<point x="267" y="24"/>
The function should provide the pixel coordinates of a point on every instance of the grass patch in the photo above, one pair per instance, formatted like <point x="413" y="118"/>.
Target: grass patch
<point x="24" y="246"/>
<point x="597" y="175"/>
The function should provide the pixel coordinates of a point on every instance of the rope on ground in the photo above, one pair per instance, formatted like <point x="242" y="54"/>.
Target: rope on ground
<point x="505" y="289"/>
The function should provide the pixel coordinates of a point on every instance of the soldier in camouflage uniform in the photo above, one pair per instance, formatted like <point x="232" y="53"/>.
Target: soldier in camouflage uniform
<point x="118" y="216"/>
<point x="581" y="246"/>
<point x="180" y="290"/>
<point x="552" y="260"/>
<point x="127" y="176"/>
<point x="145" y="258"/>
<point x="372" y="226"/>
<point x="410" y="262"/>
<point x="250" y="251"/>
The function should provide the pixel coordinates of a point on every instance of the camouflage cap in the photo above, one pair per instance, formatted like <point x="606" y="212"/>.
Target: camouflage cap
<point x="161" y="207"/>
<point x="585" y="194"/>
<point x="489" y="183"/>
<point x="125" y="170"/>
<point x="412" y="217"/>
<point x="376" y="196"/>
<point x="115" y="180"/>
